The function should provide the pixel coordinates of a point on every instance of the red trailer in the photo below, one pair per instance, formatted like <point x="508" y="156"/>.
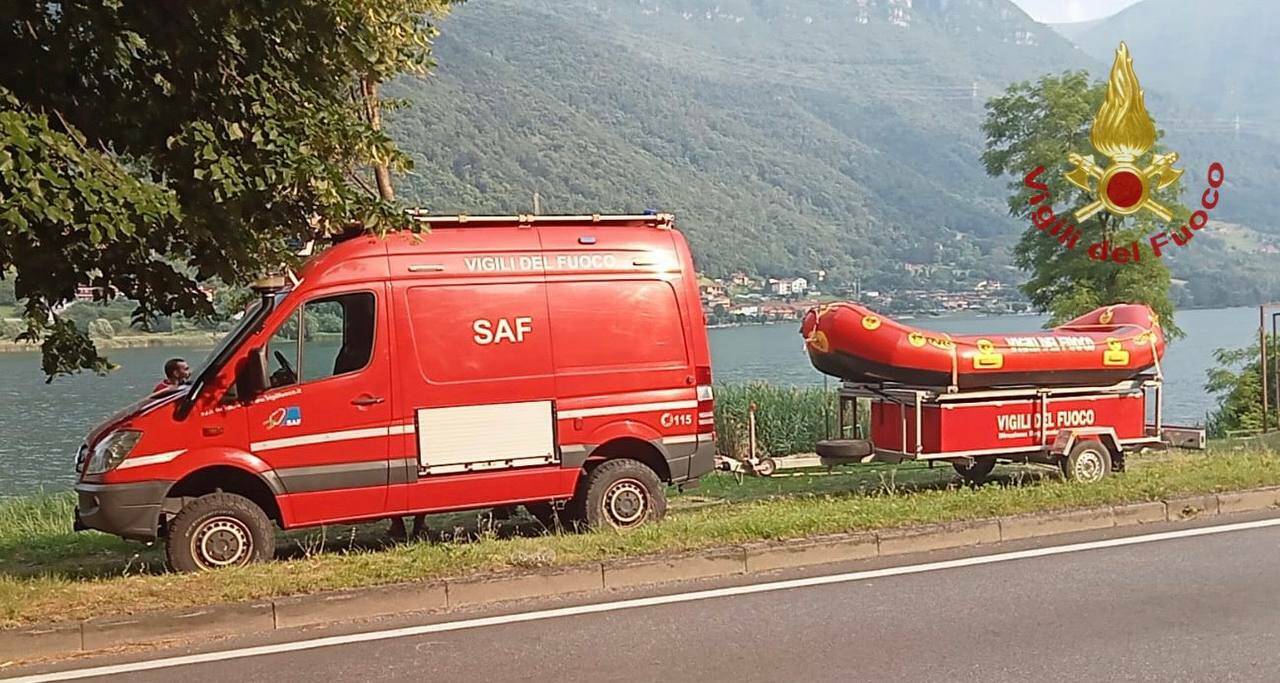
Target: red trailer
<point x="1084" y="430"/>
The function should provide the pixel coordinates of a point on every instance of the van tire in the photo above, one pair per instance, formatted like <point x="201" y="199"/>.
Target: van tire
<point x="619" y="494"/>
<point x="219" y="530"/>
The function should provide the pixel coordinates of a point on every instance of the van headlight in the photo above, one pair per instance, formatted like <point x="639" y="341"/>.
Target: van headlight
<point x="112" y="450"/>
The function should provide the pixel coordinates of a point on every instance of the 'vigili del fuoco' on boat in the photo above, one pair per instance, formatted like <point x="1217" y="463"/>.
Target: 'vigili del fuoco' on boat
<point x="1104" y="346"/>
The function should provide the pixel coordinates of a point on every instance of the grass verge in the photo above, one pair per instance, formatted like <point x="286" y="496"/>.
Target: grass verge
<point x="49" y="574"/>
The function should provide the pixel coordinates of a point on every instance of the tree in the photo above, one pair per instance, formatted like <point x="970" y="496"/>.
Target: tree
<point x="1237" y="382"/>
<point x="1037" y="125"/>
<point x="153" y="146"/>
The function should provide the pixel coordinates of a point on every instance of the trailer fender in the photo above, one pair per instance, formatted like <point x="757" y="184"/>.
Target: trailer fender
<point x="1067" y="438"/>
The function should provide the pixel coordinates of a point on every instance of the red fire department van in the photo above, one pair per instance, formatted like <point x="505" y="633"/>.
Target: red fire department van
<point x="559" y="362"/>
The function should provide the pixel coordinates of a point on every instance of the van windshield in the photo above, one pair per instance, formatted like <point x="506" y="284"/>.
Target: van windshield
<point x="251" y="316"/>
<point x="246" y="318"/>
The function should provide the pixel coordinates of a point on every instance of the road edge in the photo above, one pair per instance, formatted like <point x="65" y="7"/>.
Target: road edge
<point x="332" y="607"/>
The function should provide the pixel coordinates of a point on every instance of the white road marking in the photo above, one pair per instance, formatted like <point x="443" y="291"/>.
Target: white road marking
<point x="410" y="631"/>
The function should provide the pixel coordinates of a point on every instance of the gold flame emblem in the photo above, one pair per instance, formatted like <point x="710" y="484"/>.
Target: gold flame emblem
<point x="1124" y="132"/>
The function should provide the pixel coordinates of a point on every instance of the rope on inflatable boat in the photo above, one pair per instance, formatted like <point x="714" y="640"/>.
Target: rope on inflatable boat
<point x="1151" y="338"/>
<point x="953" y="347"/>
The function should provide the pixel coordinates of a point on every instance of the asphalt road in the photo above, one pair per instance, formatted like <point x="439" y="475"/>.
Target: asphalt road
<point x="1185" y="609"/>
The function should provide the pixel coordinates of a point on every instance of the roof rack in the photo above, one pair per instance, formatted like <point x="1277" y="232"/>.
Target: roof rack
<point x="657" y="220"/>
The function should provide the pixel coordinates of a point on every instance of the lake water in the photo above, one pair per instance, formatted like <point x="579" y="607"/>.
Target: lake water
<point x="41" y="425"/>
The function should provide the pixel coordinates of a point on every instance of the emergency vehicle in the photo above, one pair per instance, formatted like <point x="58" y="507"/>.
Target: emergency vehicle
<point x="558" y="362"/>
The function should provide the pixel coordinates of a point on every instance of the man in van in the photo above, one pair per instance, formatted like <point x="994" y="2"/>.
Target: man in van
<point x="176" y="373"/>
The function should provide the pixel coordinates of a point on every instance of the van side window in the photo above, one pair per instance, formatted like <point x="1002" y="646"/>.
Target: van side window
<point x="336" y="338"/>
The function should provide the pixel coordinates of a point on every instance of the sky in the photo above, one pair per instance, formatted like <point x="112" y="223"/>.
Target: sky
<point x="1066" y="11"/>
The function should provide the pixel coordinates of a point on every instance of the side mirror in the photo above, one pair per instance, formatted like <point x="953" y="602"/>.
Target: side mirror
<point x="252" y="379"/>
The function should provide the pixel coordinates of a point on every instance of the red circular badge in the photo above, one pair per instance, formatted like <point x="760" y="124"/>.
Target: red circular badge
<point x="1124" y="189"/>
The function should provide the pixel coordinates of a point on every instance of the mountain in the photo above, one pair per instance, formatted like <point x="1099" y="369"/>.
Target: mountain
<point x="1220" y="57"/>
<point x="787" y="135"/>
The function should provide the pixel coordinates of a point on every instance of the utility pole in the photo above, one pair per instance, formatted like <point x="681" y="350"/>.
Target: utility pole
<point x="537" y="204"/>
<point x="1262" y="349"/>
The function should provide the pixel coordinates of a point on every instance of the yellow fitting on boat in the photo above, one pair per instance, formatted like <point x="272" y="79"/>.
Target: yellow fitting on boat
<point x="1107" y="315"/>
<point x="870" y="322"/>
<point x="916" y="339"/>
<point x="1115" y="353"/>
<point x="987" y="358"/>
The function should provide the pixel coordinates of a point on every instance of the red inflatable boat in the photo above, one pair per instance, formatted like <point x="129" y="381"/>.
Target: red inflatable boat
<point x="1105" y="346"/>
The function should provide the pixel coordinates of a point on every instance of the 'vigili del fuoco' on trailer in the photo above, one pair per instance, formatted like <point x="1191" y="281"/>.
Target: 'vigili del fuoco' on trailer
<point x="1075" y="396"/>
<point x="556" y="362"/>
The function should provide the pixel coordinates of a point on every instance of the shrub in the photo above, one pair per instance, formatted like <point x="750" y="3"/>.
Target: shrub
<point x="1237" y="382"/>
<point x="101" y="329"/>
<point x="10" y="329"/>
<point x="788" y="419"/>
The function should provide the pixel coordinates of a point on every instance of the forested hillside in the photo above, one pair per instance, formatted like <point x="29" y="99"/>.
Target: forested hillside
<point x="788" y="135"/>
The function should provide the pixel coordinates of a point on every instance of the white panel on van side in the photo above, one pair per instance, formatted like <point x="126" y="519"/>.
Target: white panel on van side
<point x="491" y="436"/>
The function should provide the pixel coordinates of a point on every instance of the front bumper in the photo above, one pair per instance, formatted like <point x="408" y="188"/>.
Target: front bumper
<point x="126" y="510"/>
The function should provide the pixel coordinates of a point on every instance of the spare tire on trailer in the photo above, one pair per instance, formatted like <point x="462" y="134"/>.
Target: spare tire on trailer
<point x="975" y="470"/>
<point x="844" y="449"/>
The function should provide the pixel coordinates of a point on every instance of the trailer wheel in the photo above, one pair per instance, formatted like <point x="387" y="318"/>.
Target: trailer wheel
<point x="767" y="467"/>
<point x="219" y="530"/>
<point x="975" y="471"/>
<point x="619" y="494"/>
<point x="1088" y="462"/>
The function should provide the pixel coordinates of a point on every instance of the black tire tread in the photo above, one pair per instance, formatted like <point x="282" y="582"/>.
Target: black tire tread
<point x="585" y="509"/>
<point x="1068" y="465"/>
<point x="220" y="503"/>
<point x="976" y="471"/>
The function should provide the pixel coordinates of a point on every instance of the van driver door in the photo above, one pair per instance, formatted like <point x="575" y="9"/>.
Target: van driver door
<point x="324" y="424"/>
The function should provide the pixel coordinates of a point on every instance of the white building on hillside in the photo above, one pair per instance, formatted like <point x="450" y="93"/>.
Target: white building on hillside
<point x="789" y="286"/>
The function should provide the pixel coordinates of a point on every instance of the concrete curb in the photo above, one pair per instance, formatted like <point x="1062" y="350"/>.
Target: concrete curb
<point x="752" y="558"/>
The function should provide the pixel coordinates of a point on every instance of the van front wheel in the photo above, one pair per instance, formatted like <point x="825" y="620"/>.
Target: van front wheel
<point x="219" y="530"/>
<point x="621" y="494"/>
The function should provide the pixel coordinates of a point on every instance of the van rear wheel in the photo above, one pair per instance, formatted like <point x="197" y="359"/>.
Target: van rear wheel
<point x="219" y="530"/>
<point x="620" y="494"/>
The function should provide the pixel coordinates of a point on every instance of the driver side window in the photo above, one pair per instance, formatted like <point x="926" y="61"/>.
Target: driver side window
<point x="323" y="338"/>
